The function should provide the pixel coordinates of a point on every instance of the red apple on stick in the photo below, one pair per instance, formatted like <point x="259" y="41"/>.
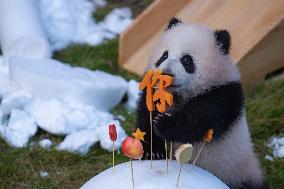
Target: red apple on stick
<point x="132" y="148"/>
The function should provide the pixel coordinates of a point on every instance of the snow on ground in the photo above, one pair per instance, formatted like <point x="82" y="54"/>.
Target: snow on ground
<point x="80" y="142"/>
<point x="132" y="94"/>
<point x="145" y="178"/>
<point x="268" y="157"/>
<point x="45" y="143"/>
<point x="43" y="174"/>
<point x="277" y="145"/>
<point x="22" y="111"/>
<point x="45" y="93"/>
<point x="71" y="21"/>
<point x="18" y="129"/>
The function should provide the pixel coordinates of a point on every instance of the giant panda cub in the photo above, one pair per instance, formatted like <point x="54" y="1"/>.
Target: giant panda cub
<point x="207" y="94"/>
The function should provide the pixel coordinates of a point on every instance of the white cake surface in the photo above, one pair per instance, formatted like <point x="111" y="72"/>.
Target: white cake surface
<point x="155" y="178"/>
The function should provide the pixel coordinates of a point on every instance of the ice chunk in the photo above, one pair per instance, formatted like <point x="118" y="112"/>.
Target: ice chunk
<point x="278" y="152"/>
<point x="268" y="157"/>
<point x="19" y="130"/>
<point x="132" y="93"/>
<point x="66" y="21"/>
<point x="15" y="100"/>
<point x="145" y="178"/>
<point x="43" y="174"/>
<point x="21" y="32"/>
<point x="71" y="21"/>
<point x="100" y="3"/>
<point x="48" y="78"/>
<point x="277" y="145"/>
<point x="79" y="142"/>
<point x="45" y="143"/>
<point x="59" y="118"/>
<point x="1" y="117"/>
<point x="118" y="20"/>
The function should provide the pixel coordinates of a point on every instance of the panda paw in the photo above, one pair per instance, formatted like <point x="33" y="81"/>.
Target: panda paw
<point x="155" y="156"/>
<point x="160" y="118"/>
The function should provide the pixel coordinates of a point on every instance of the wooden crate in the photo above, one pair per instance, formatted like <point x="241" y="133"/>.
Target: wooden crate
<point x="256" y="26"/>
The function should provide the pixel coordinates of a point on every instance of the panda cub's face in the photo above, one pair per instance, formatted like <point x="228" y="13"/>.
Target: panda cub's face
<point x="197" y="57"/>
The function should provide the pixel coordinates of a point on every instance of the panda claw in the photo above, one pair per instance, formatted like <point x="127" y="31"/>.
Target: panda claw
<point x="168" y="114"/>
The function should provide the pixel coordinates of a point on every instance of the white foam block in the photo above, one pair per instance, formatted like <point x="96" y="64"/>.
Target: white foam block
<point x="21" y="32"/>
<point x="156" y="178"/>
<point x="47" y="78"/>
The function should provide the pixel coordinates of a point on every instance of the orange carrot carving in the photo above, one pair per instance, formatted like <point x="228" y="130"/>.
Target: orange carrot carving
<point x="161" y="94"/>
<point x="147" y="83"/>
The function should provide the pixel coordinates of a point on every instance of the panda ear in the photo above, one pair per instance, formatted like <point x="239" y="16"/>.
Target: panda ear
<point x="223" y="40"/>
<point x="173" y="22"/>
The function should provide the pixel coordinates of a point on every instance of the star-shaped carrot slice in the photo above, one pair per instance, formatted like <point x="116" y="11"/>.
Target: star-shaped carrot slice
<point x="138" y="134"/>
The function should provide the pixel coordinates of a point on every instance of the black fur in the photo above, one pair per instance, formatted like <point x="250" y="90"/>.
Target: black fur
<point x="223" y="40"/>
<point x="188" y="64"/>
<point x="250" y="185"/>
<point x="162" y="58"/>
<point x="215" y="109"/>
<point x="173" y="22"/>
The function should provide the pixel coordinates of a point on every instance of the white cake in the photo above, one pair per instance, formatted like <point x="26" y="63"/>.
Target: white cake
<point x="156" y="178"/>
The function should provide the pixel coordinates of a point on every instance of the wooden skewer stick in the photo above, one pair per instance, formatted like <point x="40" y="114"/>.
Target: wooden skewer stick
<point x="207" y="138"/>
<point x="113" y="156"/>
<point x="132" y="175"/>
<point x="166" y="149"/>
<point x="171" y="151"/>
<point x="179" y="174"/>
<point x="151" y="124"/>
<point x="199" y="152"/>
<point x="183" y="155"/>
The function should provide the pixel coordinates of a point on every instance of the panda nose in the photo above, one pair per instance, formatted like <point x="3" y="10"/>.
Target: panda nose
<point x="167" y="72"/>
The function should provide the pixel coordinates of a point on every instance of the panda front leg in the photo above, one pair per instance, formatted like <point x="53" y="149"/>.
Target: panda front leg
<point x="178" y="126"/>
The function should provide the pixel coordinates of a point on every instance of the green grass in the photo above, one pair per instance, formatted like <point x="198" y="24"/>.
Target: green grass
<point x="265" y="110"/>
<point x="19" y="168"/>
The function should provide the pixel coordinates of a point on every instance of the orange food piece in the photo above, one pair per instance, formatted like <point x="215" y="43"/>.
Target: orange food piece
<point x="138" y="134"/>
<point x="147" y="83"/>
<point x="161" y="94"/>
<point x="209" y="135"/>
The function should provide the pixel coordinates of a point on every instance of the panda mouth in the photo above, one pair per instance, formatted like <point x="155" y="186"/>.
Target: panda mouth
<point x="174" y="86"/>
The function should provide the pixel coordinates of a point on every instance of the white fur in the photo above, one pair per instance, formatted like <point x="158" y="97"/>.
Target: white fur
<point x="212" y="67"/>
<point x="232" y="158"/>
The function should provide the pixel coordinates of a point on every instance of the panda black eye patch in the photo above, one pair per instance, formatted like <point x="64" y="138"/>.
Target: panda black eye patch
<point x="188" y="64"/>
<point x="162" y="59"/>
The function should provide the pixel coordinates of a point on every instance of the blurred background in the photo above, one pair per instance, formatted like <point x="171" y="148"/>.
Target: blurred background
<point x="69" y="68"/>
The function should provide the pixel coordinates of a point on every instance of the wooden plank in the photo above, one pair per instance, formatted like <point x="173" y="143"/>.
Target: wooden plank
<point x="146" y="25"/>
<point x="265" y="57"/>
<point x="251" y="23"/>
